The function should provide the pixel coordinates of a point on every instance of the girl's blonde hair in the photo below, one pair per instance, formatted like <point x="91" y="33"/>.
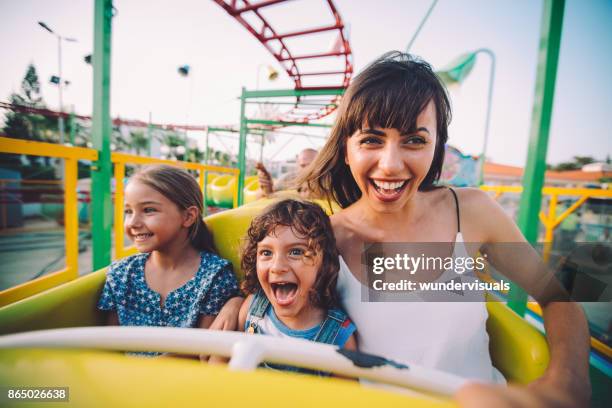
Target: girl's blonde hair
<point x="182" y="189"/>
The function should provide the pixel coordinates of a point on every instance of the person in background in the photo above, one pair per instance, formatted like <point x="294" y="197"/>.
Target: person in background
<point x="267" y="186"/>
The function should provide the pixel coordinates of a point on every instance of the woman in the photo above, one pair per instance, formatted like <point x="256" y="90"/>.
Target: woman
<point x="381" y="163"/>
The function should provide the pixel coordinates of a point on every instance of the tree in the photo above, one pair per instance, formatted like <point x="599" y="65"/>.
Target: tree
<point x="139" y="141"/>
<point x="576" y="164"/>
<point x="28" y="126"/>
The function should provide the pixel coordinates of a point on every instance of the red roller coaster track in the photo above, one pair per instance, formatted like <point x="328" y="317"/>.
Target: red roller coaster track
<point x="275" y="43"/>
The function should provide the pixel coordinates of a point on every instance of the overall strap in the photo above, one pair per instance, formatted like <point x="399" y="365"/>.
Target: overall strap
<point x="330" y="326"/>
<point x="257" y="311"/>
<point x="457" y="208"/>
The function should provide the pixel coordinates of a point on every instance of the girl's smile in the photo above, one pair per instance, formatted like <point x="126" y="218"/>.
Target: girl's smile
<point x="287" y="269"/>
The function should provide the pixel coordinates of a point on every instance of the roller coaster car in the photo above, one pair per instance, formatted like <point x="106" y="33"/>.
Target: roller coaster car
<point x="103" y="378"/>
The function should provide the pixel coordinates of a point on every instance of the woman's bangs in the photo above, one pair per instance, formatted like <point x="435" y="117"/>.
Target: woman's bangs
<point x="387" y="106"/>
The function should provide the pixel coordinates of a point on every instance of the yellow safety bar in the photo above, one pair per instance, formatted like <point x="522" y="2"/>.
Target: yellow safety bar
<point x="552" y="221"/>
<point x="71" y="156"/>
<point x="121" y="159"/>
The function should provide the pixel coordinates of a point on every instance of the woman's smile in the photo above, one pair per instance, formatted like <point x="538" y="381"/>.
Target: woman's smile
<point x="388" y="164"/>
<point x="389" y="190"/>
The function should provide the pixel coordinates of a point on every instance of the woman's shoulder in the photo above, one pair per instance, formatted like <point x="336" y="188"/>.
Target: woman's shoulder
<point x="342" y="227"/>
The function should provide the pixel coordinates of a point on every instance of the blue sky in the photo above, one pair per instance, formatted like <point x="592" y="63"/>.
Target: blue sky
<point x="152" y="38"/>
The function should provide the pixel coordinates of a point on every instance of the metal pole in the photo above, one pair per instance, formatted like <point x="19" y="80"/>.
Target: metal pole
<point x="418" y="30"/>
<point x="206" y="155"/>
<point x="149" y="137"/>
<point x="261" y="148"/>
<point x="101" y="132"/>
<point x="488" y="116"/>
<point x="72" y="126"/>
<point x="242" y="148"/>
<point x="60" y="120"/>
<point x="533" y="179"/>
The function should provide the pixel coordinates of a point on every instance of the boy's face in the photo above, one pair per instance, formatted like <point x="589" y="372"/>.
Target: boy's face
<point x="389" y="166"/>
<point x="287" y="270"/>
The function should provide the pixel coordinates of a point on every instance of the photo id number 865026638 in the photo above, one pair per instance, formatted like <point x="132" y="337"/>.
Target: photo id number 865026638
<point x="33" y="394"/>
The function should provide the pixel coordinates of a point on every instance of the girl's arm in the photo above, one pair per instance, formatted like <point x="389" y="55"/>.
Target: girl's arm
<point x="112" y="318"/>
<point x="566" y="380"/>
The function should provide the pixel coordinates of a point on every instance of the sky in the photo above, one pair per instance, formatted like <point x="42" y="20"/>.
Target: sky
<point x="151" y="39"/>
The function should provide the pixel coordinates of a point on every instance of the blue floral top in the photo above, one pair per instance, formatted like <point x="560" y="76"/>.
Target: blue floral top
<point x="126" y="292"/>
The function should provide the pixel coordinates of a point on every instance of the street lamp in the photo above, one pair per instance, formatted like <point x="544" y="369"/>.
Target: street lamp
<point x="59" y="85"/>
<point x="456" y="72"/>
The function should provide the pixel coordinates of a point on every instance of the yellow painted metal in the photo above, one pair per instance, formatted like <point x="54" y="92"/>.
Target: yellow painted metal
<point x="552" y="221"/>
<point x="107" y="379"/>
<point x="118" y="211"/>
<point x="120" y="160"/>
<point x="517" y="349"/>
<point x="18" y="146"/>
<point x="33" y="287"/>
<point x="570" y="210"/>
<point x="71" y="221"/>
<point x="550" y="229"/>
<point x="117" y="157"/>
<point x="589" y="192"/>
<point x="71" y="155"/>
<point x="596" y="344"/>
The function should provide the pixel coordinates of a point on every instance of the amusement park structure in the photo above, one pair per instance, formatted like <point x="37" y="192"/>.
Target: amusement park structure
<point x="315" y="95"/>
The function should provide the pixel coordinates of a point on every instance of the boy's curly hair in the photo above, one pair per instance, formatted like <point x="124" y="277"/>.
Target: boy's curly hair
<point x="306" y="220"/>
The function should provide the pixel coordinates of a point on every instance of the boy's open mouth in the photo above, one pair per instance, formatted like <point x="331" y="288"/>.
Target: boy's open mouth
<point x="284" y="292"/>
<point x="389" y="190"/>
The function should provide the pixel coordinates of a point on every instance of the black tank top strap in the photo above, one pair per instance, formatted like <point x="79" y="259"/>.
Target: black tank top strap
<point x="457" y="208"/>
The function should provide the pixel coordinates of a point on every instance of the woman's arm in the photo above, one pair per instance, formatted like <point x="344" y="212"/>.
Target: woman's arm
<point x="242" y="314"/>
<point x="227" y="319"/>
<point x="566" y="377"/>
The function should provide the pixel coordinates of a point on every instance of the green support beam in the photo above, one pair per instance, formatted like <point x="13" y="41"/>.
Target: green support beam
<point x="277" y="93"/>
<point x="280" y="123"/>
<point x="242" y="147"/>
<point x="72" y="127"/>
<point x="533" y="179"/>
<point x="244" y="121"/>
<point x="101" y="132"/>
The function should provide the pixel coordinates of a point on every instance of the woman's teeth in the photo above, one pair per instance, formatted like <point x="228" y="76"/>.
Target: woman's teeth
<point x="389" y="186"/>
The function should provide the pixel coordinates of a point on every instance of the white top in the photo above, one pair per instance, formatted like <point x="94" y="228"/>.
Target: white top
<point x="447" y="336"/>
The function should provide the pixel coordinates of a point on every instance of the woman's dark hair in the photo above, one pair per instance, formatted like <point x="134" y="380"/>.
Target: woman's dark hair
<point x="390" y="93"/>
<point x="307" y="220"/>
<point x="183" y="190"/>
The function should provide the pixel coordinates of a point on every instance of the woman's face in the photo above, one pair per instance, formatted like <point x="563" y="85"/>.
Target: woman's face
<point x="389" y="166"/>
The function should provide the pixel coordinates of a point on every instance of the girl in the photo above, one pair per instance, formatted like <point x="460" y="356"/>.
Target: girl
<point x="291" y="266"/>
<point x="177" y="279"/>
<point x="381" y="163"/>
